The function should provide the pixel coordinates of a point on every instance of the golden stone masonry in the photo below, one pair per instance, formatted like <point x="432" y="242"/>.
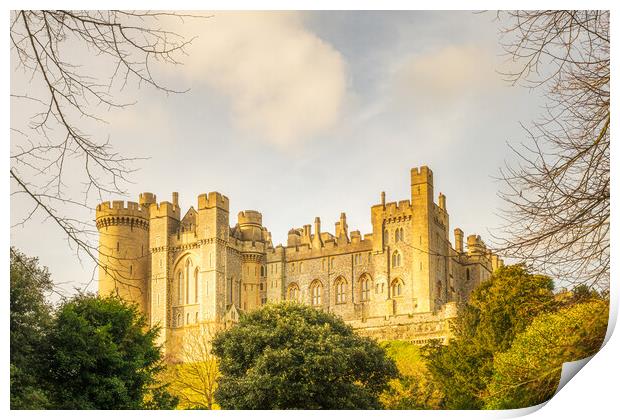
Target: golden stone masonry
<point x="403" y="280"/>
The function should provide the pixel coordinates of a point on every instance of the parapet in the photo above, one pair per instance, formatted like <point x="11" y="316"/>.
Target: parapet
<point x="421" y="175"/>
<point x="147" y="198"/>
<point x="165" y="209"/>
<point x="250" y="217"/>
<point x="211" y="200"/>
<point x="120" y="208"/>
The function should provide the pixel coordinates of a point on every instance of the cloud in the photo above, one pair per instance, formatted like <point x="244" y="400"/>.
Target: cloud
<point x="446" y="76"/>
<point x="284" y="84"/>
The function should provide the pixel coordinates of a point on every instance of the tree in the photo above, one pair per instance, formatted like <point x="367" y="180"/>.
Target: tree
<point x="557" y="194"/>
<point x="293" y="356"/>
<point x="30" y="318"/>
<point x="100" y="354"/>
<point x="529" y="372"/>
<point x="499" y="308"/>
<point x="193" y="378"/>
<point x="414" y="389"/>
<point x="78" y="64"/>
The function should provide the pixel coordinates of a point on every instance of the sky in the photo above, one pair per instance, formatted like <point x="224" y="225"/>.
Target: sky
<point x="305" y="114"/>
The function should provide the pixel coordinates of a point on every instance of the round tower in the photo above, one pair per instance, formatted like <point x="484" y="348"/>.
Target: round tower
<point x="251" y="225"/>
<point x="123" y="250"/>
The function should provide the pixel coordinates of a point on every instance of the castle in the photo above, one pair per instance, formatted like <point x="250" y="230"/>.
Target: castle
<point x="403" y="280"/>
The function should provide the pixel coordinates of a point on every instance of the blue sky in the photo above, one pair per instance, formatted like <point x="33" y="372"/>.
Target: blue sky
<point x="299" y="115"/>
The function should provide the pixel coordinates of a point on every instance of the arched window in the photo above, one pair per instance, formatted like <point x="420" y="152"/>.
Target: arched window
<point x="397" y="287"/>
<point x="293" y="292"/>
<point x="365" y="284"/>
<point x="316" y="289"/>
<point x="396" y="259"/>
<point x="196" y="285"/>
<point x="180" y="288"/>
<point x="187" y="319"/>
<point x="179" y="320"/>
<point x="188" y="264"/>
<point x="301" y="267"/>
<point x="340" y="286"/>
<point x="196" y="317"/>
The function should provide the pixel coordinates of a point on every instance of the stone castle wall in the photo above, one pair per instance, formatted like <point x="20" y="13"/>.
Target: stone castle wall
<point x="402" y="280"/>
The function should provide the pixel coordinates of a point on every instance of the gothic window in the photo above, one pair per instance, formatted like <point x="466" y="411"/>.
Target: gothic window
<point x="396" y="259"/>
<point x="365" y="288"/>
<point x="397" y="287"/>
<point x="188" y="264"/>
<point x="316" y="289"/>
<point x="340" y="286"/>
<point x="332" y="262"/>
<point x="196" y="285"/>
<point x="187" y="322"/>
<point x="293" y="292"/>
<point x="196" y="320"/>
<point x="180" y="288"/>
<point x="293" y="267"/>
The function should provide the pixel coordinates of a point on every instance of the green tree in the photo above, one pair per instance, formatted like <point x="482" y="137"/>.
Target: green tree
<point x="30" y="318"/>
<point x="498" y="309"/>
<point x="529" y="372"/>
<point x="101" y="355"/>
<point x="414" y="389"/>
<point x="294" y="356"/>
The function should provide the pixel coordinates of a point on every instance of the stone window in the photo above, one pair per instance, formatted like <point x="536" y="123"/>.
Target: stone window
<point x="293" y="292"/>
<point x="396" y="259"/>
<point x="316" y="289"/>
<point x="196" y="318"/>
<point x="365" y="288"/>
<point x="196" y="285"/>
<point x="340" y="288"/>
<point x="399" y="235"/>
<point x="301" y="267"/>
<point x="397" y="287"/>
<point x="180" y="288"/>
<point x="386" y="236"/>
<point x="179" y="320"/>
<point x="187" y="322"/>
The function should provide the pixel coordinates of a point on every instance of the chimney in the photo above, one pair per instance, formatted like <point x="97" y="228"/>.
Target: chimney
<point x="175" y="198"/>
<point x="383" y="198"/>
<point x="442" y="201"/>
<point x="316" y="239"/>
<point x="458" y="240"/>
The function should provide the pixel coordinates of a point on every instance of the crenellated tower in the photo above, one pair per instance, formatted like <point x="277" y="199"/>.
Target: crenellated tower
<point x="124" y="251"/>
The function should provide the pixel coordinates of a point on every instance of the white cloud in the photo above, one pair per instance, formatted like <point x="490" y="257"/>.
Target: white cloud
<point x="283" y="82"/>
<point x="446" y="76"/>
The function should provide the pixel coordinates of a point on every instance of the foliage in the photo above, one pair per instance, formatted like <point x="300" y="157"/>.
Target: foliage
<point x="528" y="373"/>
<point x="499" y="308"/>
<point x="194" y="379"/>
<point x="413" y="389"/>
<point x="101" y="355"/>
<point x="30" y="316"/>
<point x="293" y="356"/>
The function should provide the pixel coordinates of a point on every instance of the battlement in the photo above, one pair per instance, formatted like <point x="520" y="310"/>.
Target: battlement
<point x="250" y="217"/>
<point x="421" y="175"/>
<point x="147" y="198"/>
<point x="121" y="208"/>
<point x="165" y="209"/>
<point x="211" y="200"/>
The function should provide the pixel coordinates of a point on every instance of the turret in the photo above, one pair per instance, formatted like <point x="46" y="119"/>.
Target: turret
<point x="342" y="230"/>
<point x="251" y="224"/>
<point x="317" y="242"/>
<point x="124" y="249"/>
<point x="458" y="240"/>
